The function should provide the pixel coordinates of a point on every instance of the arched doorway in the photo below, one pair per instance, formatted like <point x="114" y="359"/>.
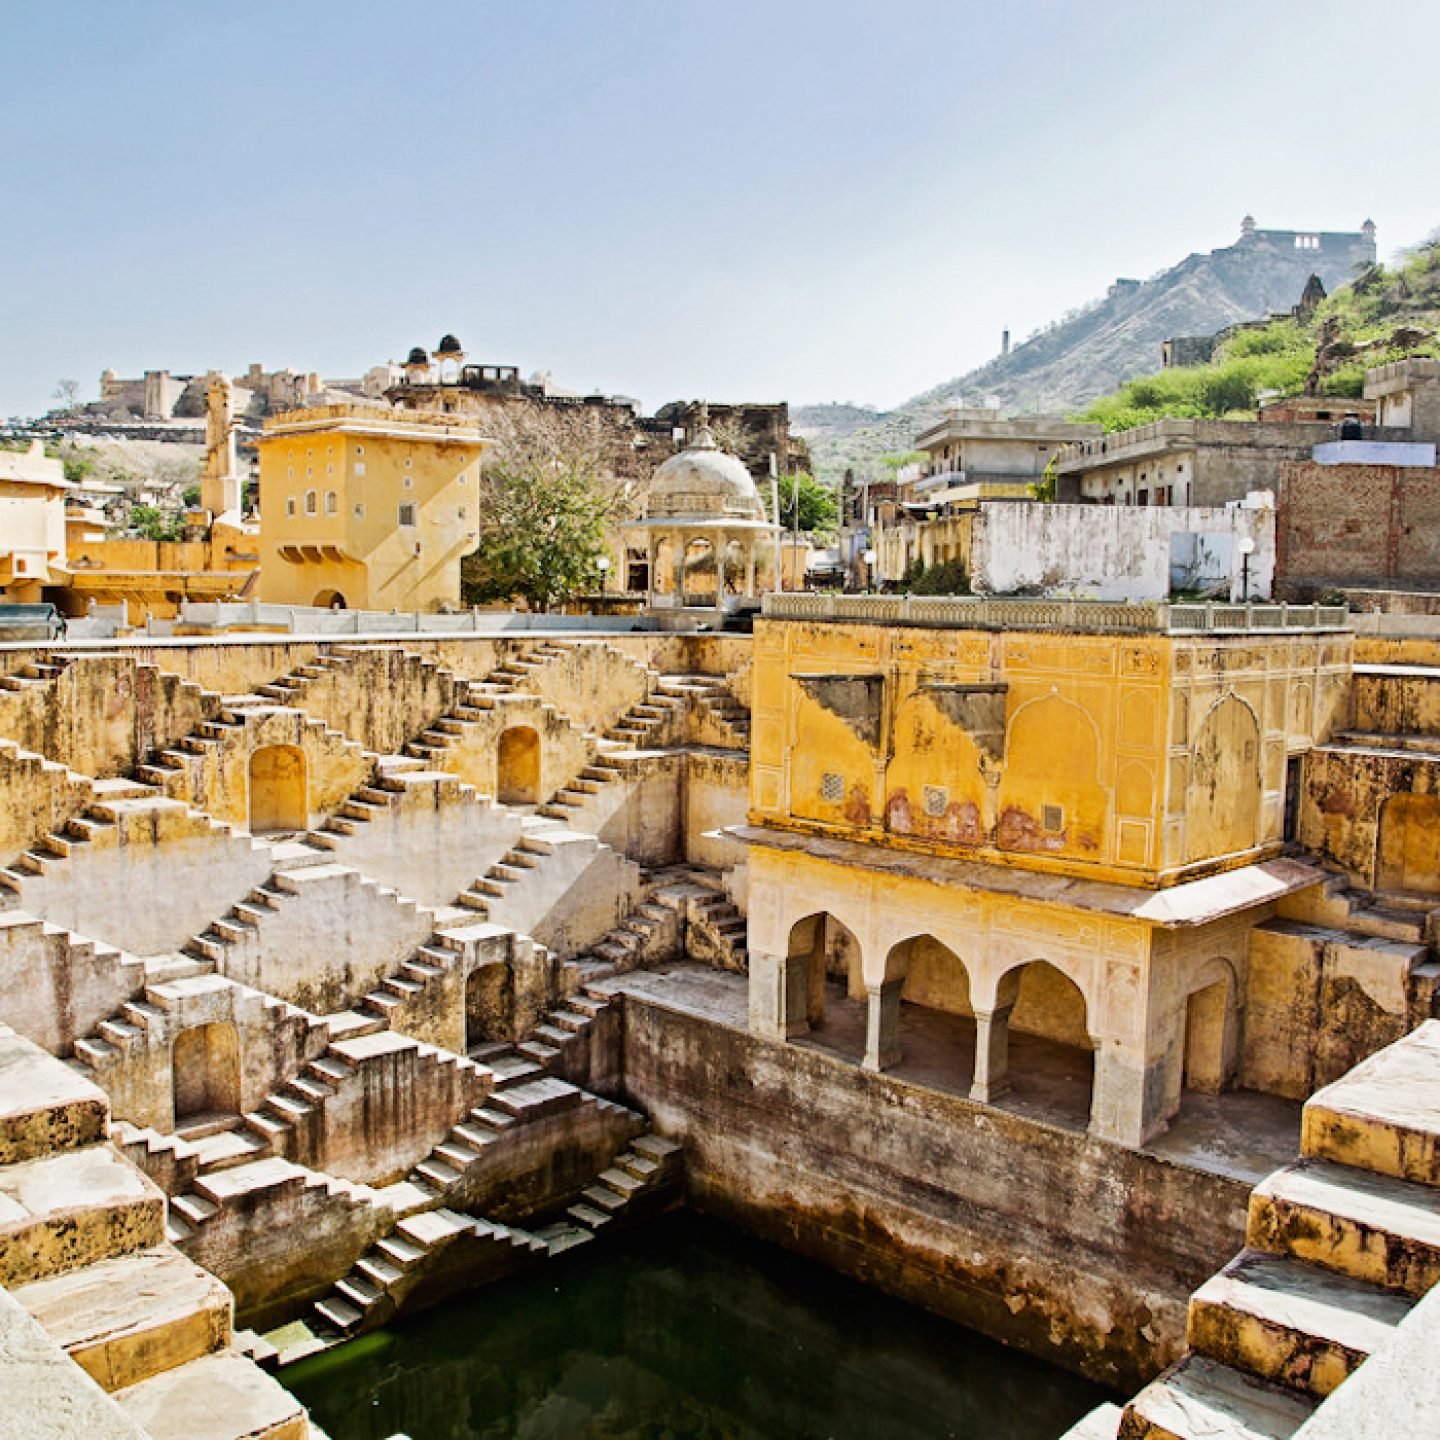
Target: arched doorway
<point x="698" y="574"/>
<point x="820" y="948"/>
<point x="1222" y="801"/>
<point x="1035" y="1045"/>
<point x="489" y="1004"/>
<point x="329" y="600"/>
<point x="517" y="766"/>
<point x="205" y="1073"/>
<point x="279" y="798"/>
<point x="935" y="1020"/>
<point x="1211" y="1031"/>
<point x="1407" y="850"/>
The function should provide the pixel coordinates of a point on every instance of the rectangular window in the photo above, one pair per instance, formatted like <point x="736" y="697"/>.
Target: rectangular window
<point x="359" y="467"/>
<point x="832" y="788"/>
<point x="1052" y="819"/>
<point x="290" y="506"/>
<point x="407" y="514"/>
<point x="359" y="512"/>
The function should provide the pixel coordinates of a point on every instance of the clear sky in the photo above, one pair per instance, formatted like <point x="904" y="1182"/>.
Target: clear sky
<point x="756" y="199"/>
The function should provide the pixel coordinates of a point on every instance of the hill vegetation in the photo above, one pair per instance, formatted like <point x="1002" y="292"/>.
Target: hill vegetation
<point x="1384" y="315"/>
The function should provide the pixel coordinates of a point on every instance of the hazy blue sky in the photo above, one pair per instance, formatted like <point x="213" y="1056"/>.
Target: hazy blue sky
<point x="811" y="201"/>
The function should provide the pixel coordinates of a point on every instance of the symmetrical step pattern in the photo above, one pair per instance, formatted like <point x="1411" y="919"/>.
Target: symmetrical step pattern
<point x="650" y="724"/>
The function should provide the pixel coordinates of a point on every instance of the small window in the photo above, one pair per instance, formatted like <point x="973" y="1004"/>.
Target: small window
<point x="332" y="503"/>
<point x="359" y="449"/>
<point x="936" y="799"/>
<point x="408" y="463"/>
<point x="359" y="467"/>
<point x="407" y="513"/>
<point x="290" y="506"/>
<point x="409" y="480"/>
<point x="1052" y="819"/>
<point x="461" y="513"/>
<point x="311" y="502"/>
<point x="359" y="512"/>
<point x="832" y="788"/>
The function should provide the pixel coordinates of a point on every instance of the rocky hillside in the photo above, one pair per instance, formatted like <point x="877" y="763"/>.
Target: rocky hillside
<point x="1094" y="350"/>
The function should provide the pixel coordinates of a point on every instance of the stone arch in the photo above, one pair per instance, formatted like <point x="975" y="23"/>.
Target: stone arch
<point x="663" y="579"/>
<point x="1051" y="799"/>
<point x="1038" y="1000"/>
<point x="1407" y="845"/>
<point x="922" y="973"/>
<point x="820" y="946"/>
<point x="699" y="561"/>
<point x="329" y="600"/>
<point x="517" y="766"/>
<point x="489" y="1004"/>
<point x="1222" y="800"/>
<point x="279" y="793"/>
<point x="1211" y="1029"/>
<point x="205" y="1072"/>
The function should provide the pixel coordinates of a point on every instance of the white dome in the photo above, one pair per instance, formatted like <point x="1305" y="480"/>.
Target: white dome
<point x="703" y="481"/>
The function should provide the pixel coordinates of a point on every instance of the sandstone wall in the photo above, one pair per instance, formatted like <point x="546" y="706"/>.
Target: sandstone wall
<point x="1065" y="1246"/>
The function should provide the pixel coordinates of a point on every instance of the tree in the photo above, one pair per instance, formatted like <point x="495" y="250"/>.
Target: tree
<point x="544" y="507"/>
<point x="67" y="392"/>
<point x="151" y="523"/>
<point x="817" y="509"/>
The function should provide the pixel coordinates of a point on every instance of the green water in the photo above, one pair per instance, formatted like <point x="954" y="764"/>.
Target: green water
<point x="685" y="1331"/>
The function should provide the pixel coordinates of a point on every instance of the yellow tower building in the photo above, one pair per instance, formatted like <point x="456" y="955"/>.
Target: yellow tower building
<point x="367" y="508"/>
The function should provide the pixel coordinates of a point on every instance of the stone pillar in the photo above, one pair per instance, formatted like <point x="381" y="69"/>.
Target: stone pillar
<point x="750" y="566"/>
<point x="992" y="1054"/>
<point x="720" y="571"/>
<point x="649" y="569"/>
<point x="882" y="1025"/>
<point x="779" y="995"/>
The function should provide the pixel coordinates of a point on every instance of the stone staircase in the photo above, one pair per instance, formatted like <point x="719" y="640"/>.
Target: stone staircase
<point x="716" y="704"/>
<point x="649" y="725"/>
<point x="525" y="889"/>
<point x="289" y="689"/>
<point x="94" y="824"/>
<point x="399" y="1264"/>
<point x="83" y="1251"/>
<point x="716" y="934"/>
<point x="1339" y="1247"/>
<point x="48" y="793"/>
<point x="31" y="674"/>
<point x="521" y="669"/>
<point x="570" y="802"/>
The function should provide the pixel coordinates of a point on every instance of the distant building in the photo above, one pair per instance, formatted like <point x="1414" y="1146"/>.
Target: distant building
<point x="368" y="508"/>
<point x="33" y="488"/>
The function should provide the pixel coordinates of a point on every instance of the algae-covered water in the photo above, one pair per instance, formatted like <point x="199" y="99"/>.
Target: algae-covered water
<point x="685" y="1330"/>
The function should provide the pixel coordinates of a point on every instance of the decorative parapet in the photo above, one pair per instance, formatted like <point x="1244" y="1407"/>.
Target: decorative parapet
<point x="973" y="613"/>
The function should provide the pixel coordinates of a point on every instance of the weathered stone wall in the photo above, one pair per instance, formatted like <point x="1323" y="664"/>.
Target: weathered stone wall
<point x="40" y="797"/>
<point x="717" y="795"/>
<point x="1118" y="552"/>
<point x="1071" y="1248"/>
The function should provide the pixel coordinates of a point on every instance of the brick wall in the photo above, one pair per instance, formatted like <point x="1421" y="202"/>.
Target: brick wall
<point x="1372" y="525"/>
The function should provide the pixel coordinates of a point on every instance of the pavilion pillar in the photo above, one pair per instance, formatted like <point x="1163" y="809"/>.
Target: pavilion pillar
<point x="992" y="1054"/>
<point x="882" y="1025"/>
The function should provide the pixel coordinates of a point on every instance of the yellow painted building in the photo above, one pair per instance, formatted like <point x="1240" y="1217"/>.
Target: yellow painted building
<point x="33" y="488"/>
<point x="367" y="508"/>
<point x="1051" y="828"/>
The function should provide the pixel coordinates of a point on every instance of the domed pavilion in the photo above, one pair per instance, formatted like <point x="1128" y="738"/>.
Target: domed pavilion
<point x="703" y="517"/>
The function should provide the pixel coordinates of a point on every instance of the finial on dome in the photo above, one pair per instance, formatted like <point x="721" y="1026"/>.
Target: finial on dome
<point x="704" y="440"/>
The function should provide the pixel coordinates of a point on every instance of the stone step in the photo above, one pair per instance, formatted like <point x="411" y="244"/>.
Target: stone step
<point x="1371" y="1227"/>
<point x="657" y="1148"/>
<point x="339" y="1313"/>
<point x="401" y="1252"/>
<point x="379" y="1270"/>
<point x="639" y="1166"/>
<point x="65" y="1210"/>
<point x="1200" y="1399"/>
<point x="1291" y="1323"/>
<point x="589" y="1216"/>
<point x="229" y="1147"/>
<point x="437" y="1173"/>
<point x="560" y="1237"/>
<point x="496" y="1120"/>
<point x="620" y="1180"/>
<point x="604" y="1198"/>
<point x="217" y="1397"/>
<point x="125" y="1319"/>
<point x="536" y="1098"/>
<point x="1384" y="1115"/>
